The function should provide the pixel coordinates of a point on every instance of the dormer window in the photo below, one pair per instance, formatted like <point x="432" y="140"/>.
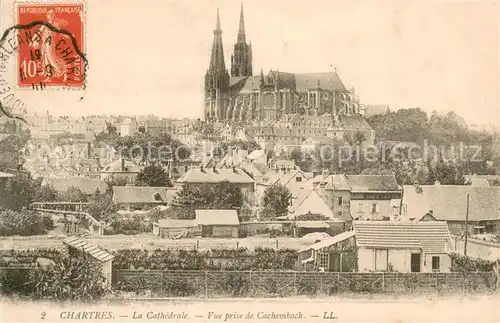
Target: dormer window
<point x="157" y="197"/>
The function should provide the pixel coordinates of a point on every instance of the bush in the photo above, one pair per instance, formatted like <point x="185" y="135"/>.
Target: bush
<point x="466" y="264"/>
<point x="128" y="225"/>
<point x="77" y="278"/>
<point x="25" y="223"/>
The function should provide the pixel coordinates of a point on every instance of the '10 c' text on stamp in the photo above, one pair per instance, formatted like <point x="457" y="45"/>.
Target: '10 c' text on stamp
<point x="51" y="45"/>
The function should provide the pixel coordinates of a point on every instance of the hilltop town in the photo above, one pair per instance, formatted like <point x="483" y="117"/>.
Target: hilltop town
<point x="284" y="176"/>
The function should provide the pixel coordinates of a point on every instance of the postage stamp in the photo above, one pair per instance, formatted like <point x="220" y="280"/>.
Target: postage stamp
<point x="51" y="45"/>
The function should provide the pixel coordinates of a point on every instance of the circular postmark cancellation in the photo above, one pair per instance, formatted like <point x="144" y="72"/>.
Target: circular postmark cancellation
<point x="43" y="50"/>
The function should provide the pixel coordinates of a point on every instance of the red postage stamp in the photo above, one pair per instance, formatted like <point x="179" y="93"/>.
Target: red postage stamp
<point x="51" y="44"/>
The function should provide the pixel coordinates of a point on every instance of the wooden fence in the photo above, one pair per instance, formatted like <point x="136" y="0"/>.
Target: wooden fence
<point x="292" y="283"/>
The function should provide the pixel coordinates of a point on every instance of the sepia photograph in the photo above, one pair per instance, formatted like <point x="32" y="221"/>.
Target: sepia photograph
<point x="249" y="161"/>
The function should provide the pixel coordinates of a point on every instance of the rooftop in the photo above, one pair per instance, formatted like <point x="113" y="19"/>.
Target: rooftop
<point x="449" y="202"/>
<point x="430" y="237"/>
<point x="217" y="217"/>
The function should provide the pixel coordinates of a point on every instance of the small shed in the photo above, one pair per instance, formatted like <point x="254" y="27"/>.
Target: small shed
<point x="103" y="258"/>
<point x="218" y="223"/>
<point x="330" y="254"/>
<point x="304" y="227"/>
<point x="172" y="228"/>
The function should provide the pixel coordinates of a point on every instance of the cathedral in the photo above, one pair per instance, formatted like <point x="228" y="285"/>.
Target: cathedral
<point x="240" y="96"/>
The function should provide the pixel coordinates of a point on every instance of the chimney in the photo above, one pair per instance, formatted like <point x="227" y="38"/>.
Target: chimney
<point x="98" y="163"/>
<point x="202" y="169"/>
<point x="122" y="167"/>
<point x="325" y="174"/>
<point x="214" y="169"/>
<point x="437" y="183"/>
<point x="186" y="169"/>
<point x="170" y="165"/>
<point x="234" y="169"/>
<point x="89" y="149"/>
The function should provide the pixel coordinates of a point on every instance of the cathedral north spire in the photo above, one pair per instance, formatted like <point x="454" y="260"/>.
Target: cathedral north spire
<point x="217" y="59"/>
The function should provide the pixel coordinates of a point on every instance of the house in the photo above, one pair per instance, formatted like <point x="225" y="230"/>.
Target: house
<point x="89" y="186"/>
<point x="101" y="257"/>
<point x="129" y="127"/>
<point x="362" y="197"/>
<point x="218" y="223"/>
<point x="234" y="175"/>
<point x="371" y="196"/>
<point x="310" y="202"/>
<point x="331" y="254"/>
<point x="120" y="168"/>
<point x="292" y="178"/>
<point x="172" y="228"/>
<point x="449" y="203"/>
<point x="139" y="197"/>
<point x="403" y="247"/>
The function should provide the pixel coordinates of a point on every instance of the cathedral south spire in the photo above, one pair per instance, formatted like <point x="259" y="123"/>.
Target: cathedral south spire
<point x="241" y="29"/>
<point x="241" y="60"/>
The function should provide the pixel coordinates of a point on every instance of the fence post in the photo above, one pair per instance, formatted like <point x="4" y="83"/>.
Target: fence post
<point x="197" y="244"/>
<point x="338" y="283"/>
<point x="437" y="284"/>
<point x="295" y="288"/>
<point x="251" y="282"/>
<point x="206" y="284"/>
<point x="383" y="283"/>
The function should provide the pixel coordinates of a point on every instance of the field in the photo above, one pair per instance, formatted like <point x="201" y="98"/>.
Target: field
<point x="146" y="241"/>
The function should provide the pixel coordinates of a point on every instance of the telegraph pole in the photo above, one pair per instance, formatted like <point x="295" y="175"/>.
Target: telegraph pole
<point x="466" y="226"/>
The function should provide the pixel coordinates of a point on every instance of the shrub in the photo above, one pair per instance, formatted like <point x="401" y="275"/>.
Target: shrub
<point x="76" y="278"/>
<point x="25" y="223"/>
<point x="128" y="225"/>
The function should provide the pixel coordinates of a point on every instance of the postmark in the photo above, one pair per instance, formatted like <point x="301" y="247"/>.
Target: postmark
<point x="49" y="53"/>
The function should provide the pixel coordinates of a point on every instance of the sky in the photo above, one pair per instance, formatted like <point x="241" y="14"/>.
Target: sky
<point x="150" y="56"/>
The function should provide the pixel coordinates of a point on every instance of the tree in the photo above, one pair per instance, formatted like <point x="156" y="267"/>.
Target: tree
<point x="73" y="194"/>
<point x="449" y="174"/>
<point x="152" y="147"/>
<point x="102" y="206"/>
<point x="114" y="181"/>
<point x="302" y="159"/>
<point x="18" y="192"/>
<point x="46" y="193"/>
<point x="77" y="278"/>
<point x="153" y="175"/>
<point x="223" y="195"/>
<point x="276" y="201"/>
<point x="24" y="223"/>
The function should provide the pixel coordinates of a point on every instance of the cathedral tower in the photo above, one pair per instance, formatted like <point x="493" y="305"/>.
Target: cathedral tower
<point x="241" y="60"/>
<point x="216" y="80"/>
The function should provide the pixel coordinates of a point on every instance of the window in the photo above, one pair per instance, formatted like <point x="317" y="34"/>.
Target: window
<point x="435" y="263"/>
<point x="360" y="207"/>
<point x="298" y="179"/>
<point x="339" y="213"/>
<point x="340" y="200"/>
<point x="374" y="208"/>
<point x="324" y="260"/>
